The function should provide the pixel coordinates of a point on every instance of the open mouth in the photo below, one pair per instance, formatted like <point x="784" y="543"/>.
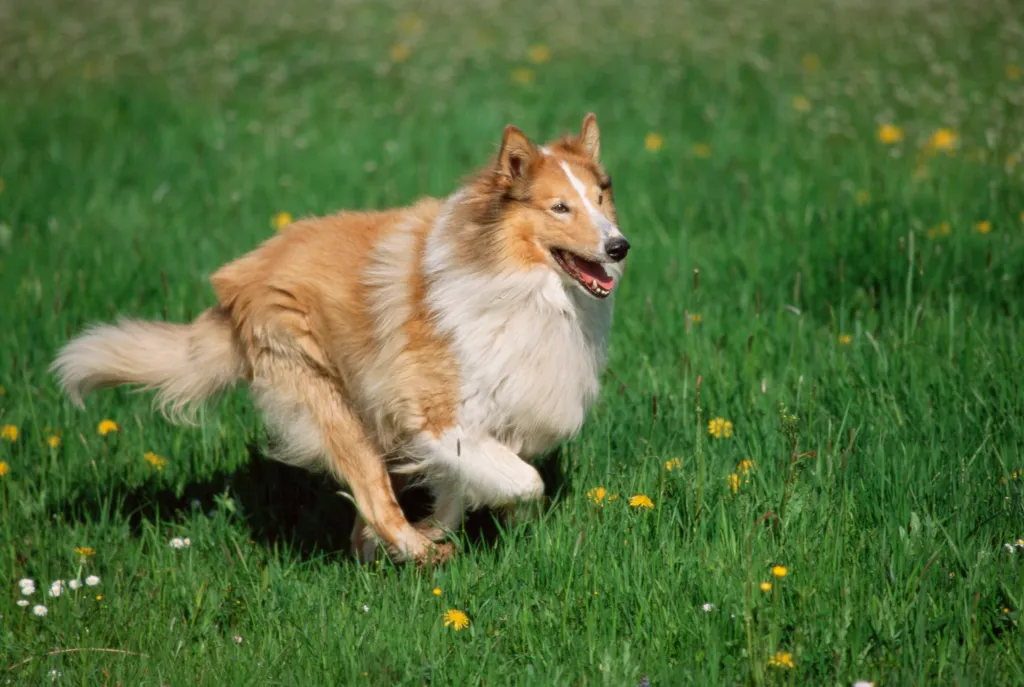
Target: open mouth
<point x="591" y="275"/>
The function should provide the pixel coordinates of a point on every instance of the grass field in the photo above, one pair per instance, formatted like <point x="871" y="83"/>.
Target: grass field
<point x="826" y="208"/>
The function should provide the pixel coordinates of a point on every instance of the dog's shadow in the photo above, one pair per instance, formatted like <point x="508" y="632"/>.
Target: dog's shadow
<point x="280" y="504"/>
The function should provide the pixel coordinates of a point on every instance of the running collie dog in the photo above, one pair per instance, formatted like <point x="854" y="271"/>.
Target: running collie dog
<point x="450" y="341"/>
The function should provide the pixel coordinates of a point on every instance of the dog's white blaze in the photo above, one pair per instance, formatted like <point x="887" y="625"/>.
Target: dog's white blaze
<point x="601" y="222"/>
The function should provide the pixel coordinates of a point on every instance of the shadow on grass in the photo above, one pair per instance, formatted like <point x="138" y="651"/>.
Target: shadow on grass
<point x="280" y="504"/>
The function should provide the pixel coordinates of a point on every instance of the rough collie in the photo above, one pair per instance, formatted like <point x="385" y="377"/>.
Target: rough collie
<point x="451" y="341"/>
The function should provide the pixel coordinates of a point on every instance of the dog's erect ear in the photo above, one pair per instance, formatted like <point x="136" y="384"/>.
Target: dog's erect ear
<point x="516" y="153"/>
<point x="590" y="136"/>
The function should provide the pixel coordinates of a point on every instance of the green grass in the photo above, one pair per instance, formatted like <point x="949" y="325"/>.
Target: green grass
<point x="142" y="145"/>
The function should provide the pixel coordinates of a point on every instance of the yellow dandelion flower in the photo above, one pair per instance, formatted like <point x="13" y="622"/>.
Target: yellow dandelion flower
<point x="654" y="142"/>
<point x="613" y="497"/>
<point x="522" y="76"/>
<point x="701" y="150"/>
<point x="745" y="466"/>
<point x="940" y="230"/>
<point x="734" y="482"/>
<point x="672" y="464"/>
<point x="9" y="432"/>
<point x="410" y="24"/>
<point x="107" y="426"/>
<point x="538" y="53"/>
<point x="766" y="587"/>
<point x="85" y="551"/>
<point x="399" y="52"/>
<point x="456" y="619"/>
<point x="596" y="494"/>
<point x="53" y="441"/>
<point x="862" y="197"/>
<point x="779" y="571"/>
<point x="944" y="140"/>
<point x="4" y="468"/>
<point x="890" y="134"/>
<point x="811" y="63"/>
<point x="983" y="227"/>
<point x="640" y="501"/>
<point x="2" y="389"/>
<point x="281" y="220"/>
<point x="696" y="318"/>
<point x="781" y="659"/>
<point x="1006" y="611"/>
<point x="437" y="591"/>
<point x="844" y="339"/>
<point x="99" y="597"/>
<point x="801" y="103"/>
<point x="155" y="461"/>
<point x="1013" y="72"/>
<point x="719" y="428"/>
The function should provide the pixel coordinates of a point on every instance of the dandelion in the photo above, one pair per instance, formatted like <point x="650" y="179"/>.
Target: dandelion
<point x="75" y="585"/>
<point x="641" y="501"/>
<point x="862" y="197"/>
<point x="942" y="229"/>
<point x="92" y="580"/>
<point x="734" y="482"/>
<point x="9" y="432"/>
<point x="745" y="466"/>
<point x="766" y="587"/>
<point x="696" y="318"/>
<point x="890" y="134"/>
<point x="40" y="610"/>
<point x="437" y="591"/>
<point x="1013" y="72"/>
<point x="99" y="597"/>
<point x="944" y="140"/>
<point x="179" y="543"/>
<point x="844" y="339"/>
<point x="538" y="53"/>
<point x="701" y="150"/>
<point x="23" y="603"/>
<point x="522" y="76"/>
<point x="781" y="659"/>
<point x="983" y="227"/>
<point x="708" y="607"/>
<point x="4" y="468"/>
<point x="801" y="103"/>
<point x="456" y="619"/>
<point x="672" y="464"/>
<point x="719" y="428"/>
<point x="280" y="220"/>
<point x="811" y="63"/>
<point x="596" y="495"/>
<point x="654" y="142"/>
<point x="779" y="571"/>
<point x="85" y="551"/>
<point x="155" y="461"/>
<point x="107" y="426"/>
<point x="399" y="52"/>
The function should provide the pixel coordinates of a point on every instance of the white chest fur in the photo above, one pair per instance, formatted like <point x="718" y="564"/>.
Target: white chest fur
<point x="529" y="352"/>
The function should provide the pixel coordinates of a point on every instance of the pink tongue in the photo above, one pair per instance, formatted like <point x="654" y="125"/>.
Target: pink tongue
<point x="595" y="270"/>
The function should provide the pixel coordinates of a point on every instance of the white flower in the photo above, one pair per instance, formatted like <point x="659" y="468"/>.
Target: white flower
<point x="40" y="610"/>
<point x="238" y="639"/>
<point x="708" y="607"/>
<point x="23" y="603"/>
<point x="28" y="590"/>
<point x="56" y="588"/>
<point x="188" y="542"/>
<point x="26" y="582"/>
<point x="1009" y="547"/>
<point x="54" y="674"/>
<point x="179" y="543"/>
<point x="92" y="580"/>
<point x="863" y="683"/>
<point x="75" y="584"/>
<point x="366" y="609"/>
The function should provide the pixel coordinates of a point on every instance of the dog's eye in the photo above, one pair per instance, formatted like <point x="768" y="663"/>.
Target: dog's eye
<point x="560" y="208"/>
<point x="600" y="197"/>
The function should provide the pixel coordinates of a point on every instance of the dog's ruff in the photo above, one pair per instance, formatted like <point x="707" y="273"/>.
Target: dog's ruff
<point x="450" y="341"/>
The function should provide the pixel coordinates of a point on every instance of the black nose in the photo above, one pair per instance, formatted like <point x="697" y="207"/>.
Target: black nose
<point x="617" y="248"/>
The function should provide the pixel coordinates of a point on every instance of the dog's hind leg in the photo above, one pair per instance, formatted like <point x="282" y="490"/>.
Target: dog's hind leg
<point x="316" y="424"/>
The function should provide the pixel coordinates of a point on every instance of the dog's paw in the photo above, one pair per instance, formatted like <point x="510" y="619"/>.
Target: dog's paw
<point x="436" y="554"/>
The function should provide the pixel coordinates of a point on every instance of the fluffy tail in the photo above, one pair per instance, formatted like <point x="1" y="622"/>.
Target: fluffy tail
<point x="185" y="363"/>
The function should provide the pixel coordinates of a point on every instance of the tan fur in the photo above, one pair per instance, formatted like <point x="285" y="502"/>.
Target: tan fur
<point x="329" y="322"/>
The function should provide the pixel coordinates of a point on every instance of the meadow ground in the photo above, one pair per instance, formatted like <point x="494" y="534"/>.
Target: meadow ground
<point x="846" y="177"/>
